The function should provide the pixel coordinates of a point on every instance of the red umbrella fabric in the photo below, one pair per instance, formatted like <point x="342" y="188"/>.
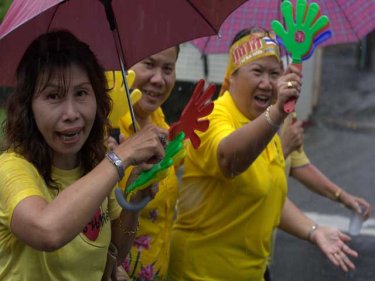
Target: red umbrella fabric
<point x="145" y="26"/>
<point x="350" y="20"/>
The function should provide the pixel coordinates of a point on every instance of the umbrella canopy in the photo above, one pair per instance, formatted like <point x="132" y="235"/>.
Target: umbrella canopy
<point x="350" y="20"/>
<point x="145" y="27"/>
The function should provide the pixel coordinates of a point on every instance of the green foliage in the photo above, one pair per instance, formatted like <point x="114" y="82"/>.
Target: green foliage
<point x="4" y="6"/>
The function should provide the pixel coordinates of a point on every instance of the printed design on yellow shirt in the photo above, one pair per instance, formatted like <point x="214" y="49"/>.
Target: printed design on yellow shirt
<point x="146" y="272"/>
<point x="153" y="214"/>
<point x="92" y="229"/>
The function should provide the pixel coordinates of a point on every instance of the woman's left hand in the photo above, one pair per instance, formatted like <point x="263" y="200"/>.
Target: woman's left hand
<point x="291" y="136"/>
<point x="333" y="243"/>
<point x="357" y="204"/>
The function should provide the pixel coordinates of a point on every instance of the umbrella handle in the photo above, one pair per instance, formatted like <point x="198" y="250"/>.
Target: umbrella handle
<point x="290" y="105"/>
<point x="130" y="206"/>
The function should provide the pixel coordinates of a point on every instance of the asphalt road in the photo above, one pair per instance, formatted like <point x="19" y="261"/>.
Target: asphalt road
<point x="340" y="141"/>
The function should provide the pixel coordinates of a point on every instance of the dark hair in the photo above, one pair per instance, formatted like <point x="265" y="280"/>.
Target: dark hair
<point x="49" y="54"/>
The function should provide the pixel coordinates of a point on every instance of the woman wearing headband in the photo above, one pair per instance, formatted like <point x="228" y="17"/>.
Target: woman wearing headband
<point x="233" y="192"/>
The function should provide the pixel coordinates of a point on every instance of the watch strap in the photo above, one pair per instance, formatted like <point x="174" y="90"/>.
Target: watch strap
<point x="117" y="162"/>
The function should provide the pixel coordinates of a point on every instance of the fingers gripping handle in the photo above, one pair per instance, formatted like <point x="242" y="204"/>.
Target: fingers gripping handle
<point x="290" y="105"/>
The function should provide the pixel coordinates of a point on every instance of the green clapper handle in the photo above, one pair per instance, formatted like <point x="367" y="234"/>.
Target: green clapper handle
<point x="174" y="152"/>
<point x="299" y="35"/>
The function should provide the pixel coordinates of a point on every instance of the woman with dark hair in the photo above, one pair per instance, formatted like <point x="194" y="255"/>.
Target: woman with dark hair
<point x="234" y="187"/>
<point x="58" y="215"/>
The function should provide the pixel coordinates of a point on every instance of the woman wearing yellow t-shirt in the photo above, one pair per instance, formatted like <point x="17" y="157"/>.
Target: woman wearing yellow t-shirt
<point x="58" y="214"/>
<point x="155" y="77"/>
<point x="233" y="192"/>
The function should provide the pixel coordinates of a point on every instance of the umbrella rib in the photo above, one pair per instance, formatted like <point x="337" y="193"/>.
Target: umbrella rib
<point x="54" y="14"/>
<point x="205" y="45"/>
<point x="51" y="20"/>
<point x="203" y="16"/>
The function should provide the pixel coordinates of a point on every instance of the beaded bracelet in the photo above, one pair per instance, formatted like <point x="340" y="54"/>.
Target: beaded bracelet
<point x="269" y="120"/>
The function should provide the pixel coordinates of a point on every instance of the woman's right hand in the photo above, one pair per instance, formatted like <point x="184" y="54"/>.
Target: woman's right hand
<point x="142" y="147"/>
<point x="289" y="87"/>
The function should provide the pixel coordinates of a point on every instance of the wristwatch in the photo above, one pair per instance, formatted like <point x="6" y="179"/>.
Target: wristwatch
<point x="117" y="162"/>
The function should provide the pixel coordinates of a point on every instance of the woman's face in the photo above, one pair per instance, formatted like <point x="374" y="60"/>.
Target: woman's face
<point x="253" y="86"/>
<point x="65" y="114"/>
<point x="155" y="76"/>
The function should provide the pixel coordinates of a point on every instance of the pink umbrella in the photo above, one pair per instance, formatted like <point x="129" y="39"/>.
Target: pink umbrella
<point x="350" y="20"/>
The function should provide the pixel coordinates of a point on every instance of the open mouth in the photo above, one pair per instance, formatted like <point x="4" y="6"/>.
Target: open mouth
<point x="152" y="94"/>
<point x="263" y="100"/>
<point x="69" y="137"/>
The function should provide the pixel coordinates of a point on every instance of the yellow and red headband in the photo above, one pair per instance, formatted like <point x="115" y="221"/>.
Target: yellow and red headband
<point x="248" y="49"/>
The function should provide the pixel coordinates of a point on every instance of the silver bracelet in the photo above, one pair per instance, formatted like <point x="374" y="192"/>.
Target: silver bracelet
<point x="311" y="231"/>
<point x="117" y="162"/>
<point x="269" y="120"/>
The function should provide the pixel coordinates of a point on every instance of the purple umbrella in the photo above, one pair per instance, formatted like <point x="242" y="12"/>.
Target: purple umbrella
<point x="350" y="20"/>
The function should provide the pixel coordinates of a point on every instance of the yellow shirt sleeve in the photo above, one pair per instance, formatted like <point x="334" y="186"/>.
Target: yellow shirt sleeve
<point x="296" y="159"/>
<point x="18" y="180"/>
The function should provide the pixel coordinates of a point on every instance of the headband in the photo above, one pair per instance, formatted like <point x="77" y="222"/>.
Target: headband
<point x="248" y="49"/>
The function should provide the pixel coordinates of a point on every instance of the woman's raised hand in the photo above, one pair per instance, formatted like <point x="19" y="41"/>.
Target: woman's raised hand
<point x="289" y="86"/>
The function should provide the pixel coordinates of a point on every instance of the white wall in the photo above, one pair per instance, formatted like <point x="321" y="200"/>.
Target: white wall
<point x="310" y="86"/>
<point x="190" y="65"/>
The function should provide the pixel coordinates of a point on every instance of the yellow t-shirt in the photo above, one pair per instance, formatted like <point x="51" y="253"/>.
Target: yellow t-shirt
<point x="150" y="251"/>
<point x="83" y="258"/>
<point x="224" y="226"/>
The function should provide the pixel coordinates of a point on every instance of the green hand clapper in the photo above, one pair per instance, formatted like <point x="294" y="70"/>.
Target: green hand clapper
<point x="302" y="35"/>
